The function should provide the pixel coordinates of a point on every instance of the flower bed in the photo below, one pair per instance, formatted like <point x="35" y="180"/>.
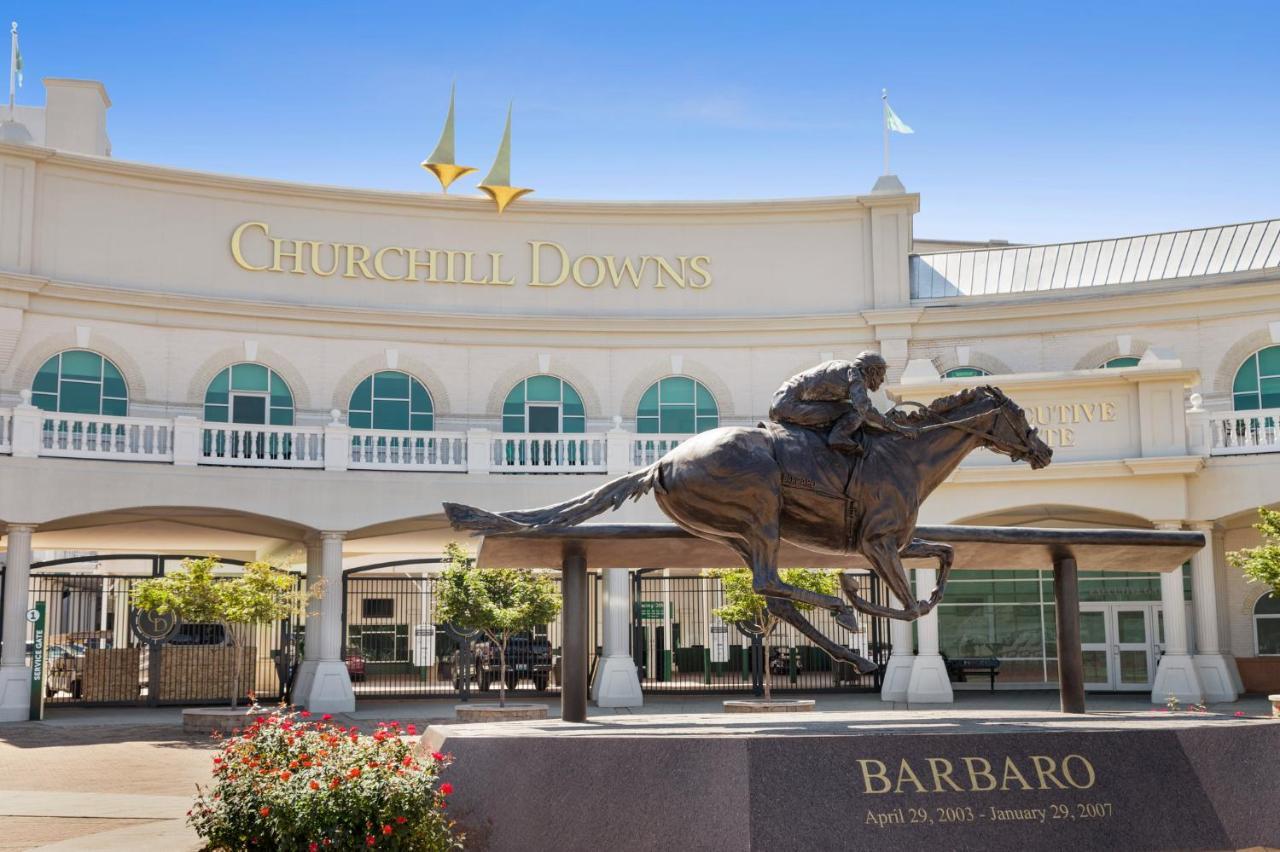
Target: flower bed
<point x="290" y="782"/>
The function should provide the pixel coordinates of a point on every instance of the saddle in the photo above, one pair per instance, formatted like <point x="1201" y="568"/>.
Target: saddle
<point x="817" y="484"/>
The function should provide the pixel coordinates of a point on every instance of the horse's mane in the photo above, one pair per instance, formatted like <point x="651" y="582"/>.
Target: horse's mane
<point x="944" y="404"/>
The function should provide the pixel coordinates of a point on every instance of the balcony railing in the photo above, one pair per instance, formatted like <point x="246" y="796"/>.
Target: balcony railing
<point x="375" y="449"/>
<point x="647" y="449"/>
<point x="262" y="446"/>
<point x="100" y="436"/>
<point x="524" y="453"/>
<point x="1244" y="432"/>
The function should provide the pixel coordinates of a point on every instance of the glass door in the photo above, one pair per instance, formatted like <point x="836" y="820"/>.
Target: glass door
<point x="1096" y="646"/>
<point x="1133" y="647"/>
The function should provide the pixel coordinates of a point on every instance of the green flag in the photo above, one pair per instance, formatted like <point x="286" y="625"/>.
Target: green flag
<point x="892" y="121"/>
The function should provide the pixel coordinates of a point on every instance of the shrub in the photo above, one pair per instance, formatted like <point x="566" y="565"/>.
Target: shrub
<point x="288" y="782"/>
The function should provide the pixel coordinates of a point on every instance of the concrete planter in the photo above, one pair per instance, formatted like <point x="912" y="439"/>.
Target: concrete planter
<point x="494" y="713"/>
<point x="759" y="705"/>
<point x="207" y="720"/>
<point x="1275" y="705"/>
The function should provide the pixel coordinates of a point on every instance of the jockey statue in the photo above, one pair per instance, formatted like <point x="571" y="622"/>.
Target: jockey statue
<point x="834" y="396"/>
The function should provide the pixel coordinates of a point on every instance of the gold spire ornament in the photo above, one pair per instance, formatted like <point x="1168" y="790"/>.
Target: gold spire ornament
<point x="497" y="184"/>
<point x="441" y="162"/>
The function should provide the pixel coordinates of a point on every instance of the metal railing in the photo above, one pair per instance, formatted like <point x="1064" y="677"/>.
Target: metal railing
<point x="96" y="436"/>
<point x="1244" y="432"/>
<point x="376" y="449"/>
<point x="527" y="453"/>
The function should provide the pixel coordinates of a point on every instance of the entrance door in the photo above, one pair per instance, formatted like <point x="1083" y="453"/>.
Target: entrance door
<point x="1118" y="644"/>
<point x="1133" y="645"/>
<point x="544" y="419"/>
<point x="1095" y="646"/>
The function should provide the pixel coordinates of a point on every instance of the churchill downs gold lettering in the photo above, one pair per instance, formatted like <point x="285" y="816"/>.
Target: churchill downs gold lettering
<point x="977" y="774"/>
<point x="548" y="264"/>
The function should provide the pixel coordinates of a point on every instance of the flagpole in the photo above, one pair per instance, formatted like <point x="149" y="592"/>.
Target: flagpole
<point x="13" y="64"/>
<point x="883" y="119"/>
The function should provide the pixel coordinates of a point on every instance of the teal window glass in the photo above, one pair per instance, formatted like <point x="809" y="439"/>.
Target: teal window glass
<point x="78" y="381"/>
<point x="250" y="394"/>
<point x="544" y="404"/>
<point x="390" y="399"/>
<point x="964" y="373"/>
<point x="1266" y="619"/>
<point x="1257" y="382"/>
<point x="1124" y="361"/>
<point x="677" y="405"/>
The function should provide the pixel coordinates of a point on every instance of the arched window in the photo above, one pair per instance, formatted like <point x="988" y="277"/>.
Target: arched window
<point x="1122" y="361"/>
<point x="390" y="399"/>
<point x="1257" y="383"/>
<point x="543" y="404"/>
<point x="80" y="382"/>
<point x="249" y="393"/>
<point x="1266" y="624"/>
<point x="677" y="404"/>
<point x="965" y="373"/>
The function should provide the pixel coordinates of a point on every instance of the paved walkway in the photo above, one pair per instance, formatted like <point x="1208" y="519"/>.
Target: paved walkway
<point x="112" y="779"/>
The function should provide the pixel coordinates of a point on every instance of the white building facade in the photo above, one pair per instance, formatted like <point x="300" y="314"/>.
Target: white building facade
<point x="196" y="363"/>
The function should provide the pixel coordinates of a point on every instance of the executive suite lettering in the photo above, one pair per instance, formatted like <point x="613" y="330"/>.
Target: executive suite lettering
<point x="549" y="264"/>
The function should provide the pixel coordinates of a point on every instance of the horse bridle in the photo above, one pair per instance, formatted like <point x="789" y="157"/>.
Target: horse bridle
<point x="1016" y="452"/>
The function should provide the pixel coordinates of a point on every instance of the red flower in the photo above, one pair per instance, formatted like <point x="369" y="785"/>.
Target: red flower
<point x="326" y="717"/>
<point x="400" y="820"/>
<point x="413" y="729"/>
<point x="446" y="789"/>
<point x="264" y="810"/>
<point x="354" y="773"/>
<point x="435" y="755"/>
<point x="408" y="759"/>
<point x="386" y="829"/>
<point x="313" y="847"/>
<point x="286" y="775"/>
<point x="370" y="840"/>
<point x="1239" y="713"/>
<point x="306" y="714"/>
<point x="315" y="785"/>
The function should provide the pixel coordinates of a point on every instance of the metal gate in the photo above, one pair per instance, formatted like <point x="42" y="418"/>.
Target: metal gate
<point x="680" y="646"/>
<point x="393" y="646"/>
<point x="94" y="657"/>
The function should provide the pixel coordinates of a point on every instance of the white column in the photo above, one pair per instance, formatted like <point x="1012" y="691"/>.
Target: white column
<point x="24" y="440"/>
<point x="314" y="622"/>
<point x="1176" y="671"/>
<point x="337" y="442"/>
<point x="1218" y="673"/>
<point x="897" y="672"/>
<point x="330" y="687"/>
<point x="15" y="675"/>
<point x="616" y="683"/>
<point x="929" y="682"/>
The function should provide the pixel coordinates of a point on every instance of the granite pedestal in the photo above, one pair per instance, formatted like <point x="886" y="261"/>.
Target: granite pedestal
<point x="990" y="780"/>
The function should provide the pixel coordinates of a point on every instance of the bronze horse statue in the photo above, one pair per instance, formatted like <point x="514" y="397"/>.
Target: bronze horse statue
<point x="752" y="488"/>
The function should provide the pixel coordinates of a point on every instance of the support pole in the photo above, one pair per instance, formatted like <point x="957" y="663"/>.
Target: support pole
<point x="1066" y="597"/>
<point x="573" y="662"/>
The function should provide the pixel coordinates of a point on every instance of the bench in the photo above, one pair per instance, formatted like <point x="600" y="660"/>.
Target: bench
<point x="960" y="668"/>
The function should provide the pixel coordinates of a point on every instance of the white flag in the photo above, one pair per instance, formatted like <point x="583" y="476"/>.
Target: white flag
<point x="892" y="121"/>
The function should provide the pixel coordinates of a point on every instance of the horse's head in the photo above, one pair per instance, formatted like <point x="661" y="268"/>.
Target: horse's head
<point x="1011" y="434"/>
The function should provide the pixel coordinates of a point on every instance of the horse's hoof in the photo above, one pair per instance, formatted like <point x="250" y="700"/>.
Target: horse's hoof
<point x="848" y="619"/>
<point x="864" y="666"/>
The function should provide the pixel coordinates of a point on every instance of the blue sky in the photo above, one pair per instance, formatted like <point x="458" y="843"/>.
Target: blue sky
<point x="1034" y="121"/>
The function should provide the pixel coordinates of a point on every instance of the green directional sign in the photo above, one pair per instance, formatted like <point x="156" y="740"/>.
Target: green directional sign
<point x="36" y="617"/>
<point x="651" y="610"/>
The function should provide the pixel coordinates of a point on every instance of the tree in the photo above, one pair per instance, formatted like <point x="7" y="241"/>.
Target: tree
<point x="499" y="602"/>
<point x="743" y="606"/>
<point x="260" y="594"/>
<point x="1261" y="564"/>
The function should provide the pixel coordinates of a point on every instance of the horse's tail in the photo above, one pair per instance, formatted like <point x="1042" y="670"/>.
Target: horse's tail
<point x="611" y="495"/>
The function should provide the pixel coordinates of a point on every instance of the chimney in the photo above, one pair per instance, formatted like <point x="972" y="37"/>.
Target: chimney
<point x="76" y="116"/>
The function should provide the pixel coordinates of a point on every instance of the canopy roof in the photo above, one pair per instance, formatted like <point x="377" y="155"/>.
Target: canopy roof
<point x="978" y="548"/>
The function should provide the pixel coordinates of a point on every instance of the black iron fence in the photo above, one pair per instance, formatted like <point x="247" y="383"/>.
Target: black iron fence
<point x="393" y="646"/>
<point x="94" y="656"/>
<point x="680" y="645"/>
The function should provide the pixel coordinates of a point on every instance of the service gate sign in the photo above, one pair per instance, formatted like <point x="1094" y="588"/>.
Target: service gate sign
<point x="424" y="645"/>
<point x="651" y="610"/>
<point x="719" y="642"/>
<point x="36" y="617"/>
